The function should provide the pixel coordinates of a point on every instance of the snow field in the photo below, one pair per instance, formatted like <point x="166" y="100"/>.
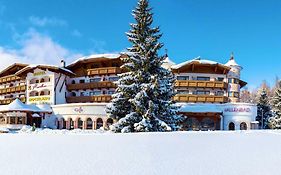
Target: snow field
<point x="197" y="153"/>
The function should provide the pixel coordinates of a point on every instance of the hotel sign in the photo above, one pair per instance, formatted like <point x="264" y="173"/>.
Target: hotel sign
<point x="238" y="109"/>
<point x="39" y="73"/>
<point x="39" y="99"/>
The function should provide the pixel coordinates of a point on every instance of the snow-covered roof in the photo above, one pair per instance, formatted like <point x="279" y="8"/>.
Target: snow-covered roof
<point x="45" y="108"/>
<point x="197" y="60"/>
<point x="17" y="105"/>
<point x="192" y="107"/>
<point x="44" y="66"/>
<point x="95" y="56"/>
<point x="167" y="63"/>
<point x="232" y="62"/>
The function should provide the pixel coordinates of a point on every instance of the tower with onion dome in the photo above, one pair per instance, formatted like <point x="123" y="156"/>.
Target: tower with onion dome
<point x="234" y="80"/>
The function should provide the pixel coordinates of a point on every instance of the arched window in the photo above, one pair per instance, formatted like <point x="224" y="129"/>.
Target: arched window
<point x="71" y="124"/>
<point x="36" y="81"/>
<point x="73" y="82"/>
<point x="80" y="123"/>
<point x="42" y="93"/>
<point x="42" y="80"/>
<point x="207" y="124"/>
<point x="231" y="126"/>
<point x="73" y="94"/>
<point x="89" y="123"/>
<point x="63" y="124"/>
<point x="99" y="123"/>
<point x="109" y="122"/>
<point x="33" y="93"/>
<point x="243" y="126"/>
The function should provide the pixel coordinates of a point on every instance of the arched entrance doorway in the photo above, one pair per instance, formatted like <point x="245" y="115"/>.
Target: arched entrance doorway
<point x="231" y="126"/>
<point x="89" y="123"/>
<point x="63" y="124"/>
<point x="79" y="123"/>
<point x="109" y="122"/>
<point x="99" y="123"/>
<point x="243" y="126"/>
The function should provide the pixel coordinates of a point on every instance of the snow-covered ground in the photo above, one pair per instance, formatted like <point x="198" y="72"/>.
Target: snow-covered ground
<point x="193" y="153"/>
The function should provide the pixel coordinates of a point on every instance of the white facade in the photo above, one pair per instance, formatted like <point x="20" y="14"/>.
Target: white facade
<point x="45" y="87"/>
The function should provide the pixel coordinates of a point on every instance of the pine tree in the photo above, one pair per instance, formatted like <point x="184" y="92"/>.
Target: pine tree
<point x="274" y="122"/>
<point x="264" y="109"/>
<point x="142" y="101"/>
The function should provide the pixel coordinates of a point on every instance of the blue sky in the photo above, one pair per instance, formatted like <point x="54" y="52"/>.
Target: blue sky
<point x="36" y="31"/>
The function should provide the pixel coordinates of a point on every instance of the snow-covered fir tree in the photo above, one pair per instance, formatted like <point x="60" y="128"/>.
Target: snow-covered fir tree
<point x="143" y="99"/>
<point x="264" y="109"/>
<point x="274" y="122"/>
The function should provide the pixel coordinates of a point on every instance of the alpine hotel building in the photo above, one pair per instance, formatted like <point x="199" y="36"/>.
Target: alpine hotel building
<point x="75" y="95"/>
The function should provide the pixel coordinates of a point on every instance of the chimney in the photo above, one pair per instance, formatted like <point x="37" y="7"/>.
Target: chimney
<point x="62" y="63"/>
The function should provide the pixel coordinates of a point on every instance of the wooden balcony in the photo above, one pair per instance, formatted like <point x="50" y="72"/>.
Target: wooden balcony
<point x="188" y="98"/>
<point x="15" y="89"/>
<point x="104" y="71"/>
<point x="91" y="85"/>
<point x="9" y="78"/>
<point x="201" y="84"/>
<point x="10" y="100"/>
<point x="89" y="99"/>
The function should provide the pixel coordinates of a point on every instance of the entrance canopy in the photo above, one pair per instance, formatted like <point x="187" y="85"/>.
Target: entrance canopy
<point x="18" y="106"/>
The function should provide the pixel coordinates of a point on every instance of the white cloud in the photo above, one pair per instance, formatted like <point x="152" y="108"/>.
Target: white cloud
<point x="44" y="21"/>
<point x="36" y="48"/>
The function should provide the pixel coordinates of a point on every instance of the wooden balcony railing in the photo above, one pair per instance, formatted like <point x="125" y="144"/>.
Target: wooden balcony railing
<point x="200" y="98"/>
<point x="9" y="78"/>
<point x="201" y="84"/>
<point x="10" y="100"/>
<point x="91" y="85"/>
<point x="9" y="90"/>
<point x="104" y="71"/>
<point x="88" y="99"/>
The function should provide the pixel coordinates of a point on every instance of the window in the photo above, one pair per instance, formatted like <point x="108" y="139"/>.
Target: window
<point x="233" y="94"/>
<point x="233" y="80"/>
<point x="231" y="126"/>
<point x="82" y="94"/>
<point x="220" y="79"/>
<point x="12" y="120"/>
<point x="20" y="120"/>
<point x="236" y="81"/>
<point x="243" y="126"/>
<point x="37" y="81"/>
<point x="110" y="92"/>
<point x="95" y="79"/>
<point x="89" y="123"/>
<point x="220" y="93"/>
<point x="73" y="94"/>
<point x="182" y="92"/>
<point x="99" y="123"/>
<point x="203" y="78"/>
<point x="81" y="81"/>
<point x="113" y="78"/>
<point x="182" y="77"/>
<point x="202" y="92"/>
<point x="73" y="82"/>
<point x="96" y="92"/>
